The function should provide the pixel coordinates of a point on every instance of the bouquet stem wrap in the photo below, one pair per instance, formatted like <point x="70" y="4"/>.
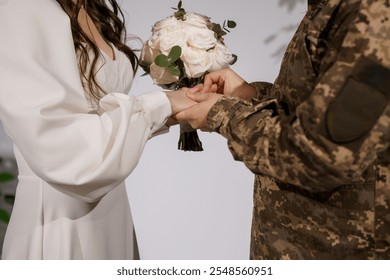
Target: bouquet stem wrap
<point x="189" y="140"/>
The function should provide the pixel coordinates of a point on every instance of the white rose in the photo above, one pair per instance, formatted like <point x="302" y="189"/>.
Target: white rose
<point x="154" y="41"/>
<point x="201" y="38"/>
<point x="161" y="75"/>
<point x="172" y="37"/>
<point x="197" y="20"/>
<point x="148" y="54"/>
<point x="196" y="62"/>
<point x="164" y="23"/>
<point x="221" y="57"/>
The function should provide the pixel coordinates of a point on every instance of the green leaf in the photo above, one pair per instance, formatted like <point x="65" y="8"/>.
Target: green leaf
<point x="6" y="176"/>
<point x="216" y="28"/>
<point x="174" y="70"/>
<point x="180" y="12"/>
<point x="219" y="32"/>
<point x="235" y="57"/>
<point x="162" y="60"/>
<point x="174" y="54"/>
<point x="231" y="24"/>
<point x="4" y="216"/>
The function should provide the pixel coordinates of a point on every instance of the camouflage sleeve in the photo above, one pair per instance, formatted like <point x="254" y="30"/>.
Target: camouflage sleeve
<point x="263" y="90"/>
<point x="335" y="134"/>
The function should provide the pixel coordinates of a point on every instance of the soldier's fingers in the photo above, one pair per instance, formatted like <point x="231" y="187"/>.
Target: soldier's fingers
<point x="212" y="80"/>
<point x="213" y="88"/>
<point x="198" y="96"/>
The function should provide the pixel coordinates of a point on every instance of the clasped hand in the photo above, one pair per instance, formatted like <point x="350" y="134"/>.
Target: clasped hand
<point x="193" y="105"/>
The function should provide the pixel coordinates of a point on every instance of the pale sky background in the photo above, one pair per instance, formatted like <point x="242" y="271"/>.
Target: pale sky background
<point x="198" y="205"/>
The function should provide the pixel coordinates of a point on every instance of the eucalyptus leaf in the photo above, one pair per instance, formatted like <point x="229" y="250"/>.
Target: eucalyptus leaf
<point x="174" y="54"/>
<point x="174" y="70"/>
<point x="162" y="60"/>
<point x="231" y="24"/>
<point x="180" y="12"/>
<point x="235" y="57"/>
<point x="217" y="28"/>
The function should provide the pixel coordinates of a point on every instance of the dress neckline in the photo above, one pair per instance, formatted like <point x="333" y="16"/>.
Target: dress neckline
<point x="106" y="55"/>
<point x="114" y="53"/>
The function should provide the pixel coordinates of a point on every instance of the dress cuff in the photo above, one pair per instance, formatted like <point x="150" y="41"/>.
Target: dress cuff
<point x="162" y="130"/>
<point x="158" y="106"/>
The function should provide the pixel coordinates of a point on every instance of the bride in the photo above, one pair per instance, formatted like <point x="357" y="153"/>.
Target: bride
<point x="65" y="72"/>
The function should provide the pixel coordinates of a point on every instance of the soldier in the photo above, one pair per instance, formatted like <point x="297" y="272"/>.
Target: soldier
<point x="317" y="138"/>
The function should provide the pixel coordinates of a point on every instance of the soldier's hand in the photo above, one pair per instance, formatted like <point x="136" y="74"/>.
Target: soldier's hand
<point x="227" y="82"/>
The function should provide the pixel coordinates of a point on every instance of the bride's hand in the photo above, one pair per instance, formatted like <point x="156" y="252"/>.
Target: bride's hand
<point x="179" y="100"/>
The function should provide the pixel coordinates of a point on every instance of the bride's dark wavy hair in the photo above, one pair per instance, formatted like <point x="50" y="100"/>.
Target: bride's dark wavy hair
<point x="110" y="21"/>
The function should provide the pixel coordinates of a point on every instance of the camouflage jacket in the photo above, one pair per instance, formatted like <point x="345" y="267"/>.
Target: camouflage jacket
<point x="318" y="138"/>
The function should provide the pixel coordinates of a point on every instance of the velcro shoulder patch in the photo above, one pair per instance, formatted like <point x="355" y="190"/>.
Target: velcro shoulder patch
<point x="361" y="101"/>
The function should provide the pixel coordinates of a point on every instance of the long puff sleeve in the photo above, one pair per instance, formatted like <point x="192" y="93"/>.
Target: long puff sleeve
<point x="44" y="110"/>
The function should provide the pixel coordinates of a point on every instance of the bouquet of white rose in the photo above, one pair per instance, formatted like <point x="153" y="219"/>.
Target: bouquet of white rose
<point x="183" y="48"/>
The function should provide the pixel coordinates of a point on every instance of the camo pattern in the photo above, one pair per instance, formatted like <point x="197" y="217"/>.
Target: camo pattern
<point x="318" y="138"/>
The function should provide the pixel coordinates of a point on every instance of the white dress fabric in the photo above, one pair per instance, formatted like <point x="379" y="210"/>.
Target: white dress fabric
<point x="71" y="201"/>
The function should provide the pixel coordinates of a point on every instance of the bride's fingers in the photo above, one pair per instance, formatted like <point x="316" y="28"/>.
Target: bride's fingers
<point x="197" y="88"/>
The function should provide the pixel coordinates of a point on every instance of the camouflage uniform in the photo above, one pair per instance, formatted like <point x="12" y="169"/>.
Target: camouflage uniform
<point x="318" y="138"/>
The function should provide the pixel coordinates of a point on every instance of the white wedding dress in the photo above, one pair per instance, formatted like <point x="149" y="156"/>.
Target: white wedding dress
<point x="71" y="201"/>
